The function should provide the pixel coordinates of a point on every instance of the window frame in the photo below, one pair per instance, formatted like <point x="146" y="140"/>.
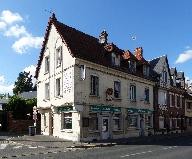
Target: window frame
<point x="58" y="87"/>
<point x="94" y="85"/>
<point x="147" y="98"/>
<point x="47" y="91"/>
<point x="117" y="91"/>
<point x="63" y="117"/>
<point x="58" y="56"/>
<point x="47" y="64"/>
<point x="133" y="92"/>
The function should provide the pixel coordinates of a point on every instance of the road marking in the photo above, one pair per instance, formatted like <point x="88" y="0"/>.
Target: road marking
<point x="31" y="147"/>
<point x="3" y="146"/>
<point x="17" y="147"/>
<point x="138" y="153"/>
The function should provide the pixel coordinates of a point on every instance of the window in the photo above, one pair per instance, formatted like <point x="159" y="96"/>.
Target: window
<point x="115" y="59"/>
<point x="93" y="122"/>
<point x="161" y="122"/>
<point x="145" y="70"/>
<point x="117" y="89"/>
<point x="133" y="93"/>
<point x="44" y="120"/>
<point x="47" y="91"/>
<point x="162" y="98"/>
<point x="58" y="86"/>
<point x="132" y="66"/>
<point x="83" y="72"/>
<point x="116" y="120"/>
<point x="147" y="95"/>
<point x="132" y="121"/>
<point x="94" y="85"/>
<point x="58" y="56"/>
<point x="148" y="120"/>
<point x="173" y="100"/>
<point x="164" y="76"/>
<point x="47" y="64"/>
<point x="67" y="121"/>
<point x="178" y="101"/>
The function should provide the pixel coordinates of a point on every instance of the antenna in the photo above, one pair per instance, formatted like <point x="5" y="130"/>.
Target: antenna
<point x="49" y="11"/>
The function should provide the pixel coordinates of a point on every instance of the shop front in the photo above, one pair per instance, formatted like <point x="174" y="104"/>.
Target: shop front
<point x="140" y="121"/>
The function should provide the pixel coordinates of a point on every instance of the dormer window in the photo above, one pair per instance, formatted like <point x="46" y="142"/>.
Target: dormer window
<point x="145" y="70"/>
<point x="132" y="66"/>
<point x="164" y="76"/>
<point x="115" y="59"/>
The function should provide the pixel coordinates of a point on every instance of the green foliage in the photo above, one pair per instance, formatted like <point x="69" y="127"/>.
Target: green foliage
<point x="21" y="107"/>
<point x="24" y="83"/>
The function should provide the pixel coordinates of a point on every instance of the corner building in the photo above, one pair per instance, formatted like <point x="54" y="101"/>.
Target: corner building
<point x="89" y="89"/>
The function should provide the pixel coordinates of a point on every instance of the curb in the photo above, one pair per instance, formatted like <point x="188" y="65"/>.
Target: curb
<point x="92" y="145"/>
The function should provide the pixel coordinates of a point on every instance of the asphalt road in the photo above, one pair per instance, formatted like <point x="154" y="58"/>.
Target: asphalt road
<point x="176" y="148"/>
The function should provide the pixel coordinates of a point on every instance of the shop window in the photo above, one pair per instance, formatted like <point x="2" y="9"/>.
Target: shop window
<point x="148" y="122"/>
<point x="147" y="95"/>
<point x="132" y="121"/>
<point x="94" y="85"/>
<point x="93" y="120"/>
<point x="47" y="64"/>
<point x="117" y="124"/>
<point x="117" y="89"/>
<point x="67" y="121"/>
<point x="58" y="56"/>
<point x="133" y="93"/>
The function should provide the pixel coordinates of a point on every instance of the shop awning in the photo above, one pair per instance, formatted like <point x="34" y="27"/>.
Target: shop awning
<point x="140" y="111"/>
<point x="65" y="109"/>
<point x="105" y="108"/>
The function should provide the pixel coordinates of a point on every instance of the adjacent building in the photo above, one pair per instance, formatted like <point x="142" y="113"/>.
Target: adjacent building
<point x="169" y="98"/>
<point x="89" y="89"/>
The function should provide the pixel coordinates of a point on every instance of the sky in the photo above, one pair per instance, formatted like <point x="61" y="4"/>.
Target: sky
<point x="160" y="27"/>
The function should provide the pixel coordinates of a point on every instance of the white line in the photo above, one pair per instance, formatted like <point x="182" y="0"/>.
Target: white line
<point x="138" y="153"/>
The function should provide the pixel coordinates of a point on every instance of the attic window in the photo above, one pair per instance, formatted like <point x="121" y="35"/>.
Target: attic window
<point x="132" y="66"/>
<point x="58" y="56"/>
<point x="145" y="70"/>
<point x="115" y="59"/>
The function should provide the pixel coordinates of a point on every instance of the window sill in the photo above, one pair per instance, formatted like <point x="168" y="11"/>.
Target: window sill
<point x="46" y="100"/>
<point x="133" y="100"/>
<point x="59" y="97"/>
<point x="94" y="96"/>
<point x="67" y="130"/>
<point x="115" y="130"/>
<point x="117" y="98"/>
<point x="93" y="131"/>
<point x="46" y="72"/>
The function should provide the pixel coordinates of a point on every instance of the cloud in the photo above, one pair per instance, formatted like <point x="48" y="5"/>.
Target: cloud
<point x="31" y="69"/>
<point x="10" y="17"/>
<point x="188" y="80"/>
<point x="2" y="25"/>
<point x="185" y="56"/>
<point x="16" y="31"/>
<point x="22" y="45"/>
<point x="5" y="88"/>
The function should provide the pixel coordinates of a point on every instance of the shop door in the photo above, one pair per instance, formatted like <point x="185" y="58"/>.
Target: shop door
<point x="105" y="127"/>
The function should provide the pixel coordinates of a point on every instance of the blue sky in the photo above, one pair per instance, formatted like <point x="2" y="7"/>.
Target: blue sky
<point x="160" y="27"/>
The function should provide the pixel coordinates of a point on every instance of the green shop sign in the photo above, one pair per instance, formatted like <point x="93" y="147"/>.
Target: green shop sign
<point x="140" y="111"/>
<point x="104" y="108"/>
<point x="65" y="108"/>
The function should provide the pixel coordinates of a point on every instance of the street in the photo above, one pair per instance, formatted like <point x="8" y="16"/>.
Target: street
<point x="180" y="147"/>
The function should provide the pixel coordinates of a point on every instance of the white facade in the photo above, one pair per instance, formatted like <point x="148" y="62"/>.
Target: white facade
<point x="72" y="99"/>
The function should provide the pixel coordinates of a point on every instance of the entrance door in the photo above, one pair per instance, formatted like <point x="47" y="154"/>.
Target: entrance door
<point x="105" y="127"/>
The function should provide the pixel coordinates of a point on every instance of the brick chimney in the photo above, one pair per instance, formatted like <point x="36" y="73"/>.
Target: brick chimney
<point x="139" y="53"/>
<point x="103" y="37"/>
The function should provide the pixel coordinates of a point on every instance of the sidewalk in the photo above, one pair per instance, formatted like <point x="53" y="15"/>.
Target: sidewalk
<point x="53" y="142"/>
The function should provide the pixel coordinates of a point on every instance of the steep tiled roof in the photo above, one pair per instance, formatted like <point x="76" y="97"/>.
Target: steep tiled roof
<point x="84" y="46"/>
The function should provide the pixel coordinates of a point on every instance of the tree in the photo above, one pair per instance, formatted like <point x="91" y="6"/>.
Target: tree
<point x="24" y="83"/>
<point x="21" y="107"/>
